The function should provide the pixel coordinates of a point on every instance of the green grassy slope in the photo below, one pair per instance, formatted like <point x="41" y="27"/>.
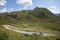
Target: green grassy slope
<point x="38" y="19"/>
<point x="11" y="35"/>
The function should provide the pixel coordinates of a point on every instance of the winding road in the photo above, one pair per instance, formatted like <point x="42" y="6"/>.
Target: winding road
<point x="8" y="27"/>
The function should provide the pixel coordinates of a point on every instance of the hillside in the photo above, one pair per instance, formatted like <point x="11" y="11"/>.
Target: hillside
<point x="38" y="19"/>
<point x="41" y="16"/>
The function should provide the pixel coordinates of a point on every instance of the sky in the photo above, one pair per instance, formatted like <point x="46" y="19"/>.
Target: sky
<point x="17" y="5"/>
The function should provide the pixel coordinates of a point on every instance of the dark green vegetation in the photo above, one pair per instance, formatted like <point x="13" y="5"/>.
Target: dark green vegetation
<point x="38" y="19"/>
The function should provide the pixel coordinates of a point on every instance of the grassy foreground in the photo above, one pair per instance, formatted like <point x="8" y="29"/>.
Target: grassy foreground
<point x="11" y="35"/>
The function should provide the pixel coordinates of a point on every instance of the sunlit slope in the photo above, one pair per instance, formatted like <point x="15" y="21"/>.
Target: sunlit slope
<point x="38" y="18"/>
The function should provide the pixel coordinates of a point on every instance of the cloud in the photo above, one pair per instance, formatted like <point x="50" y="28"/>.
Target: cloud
<point x="3" y="2"/>
<point x="3" y="10"/>
<point x="24" y="3"/>
<point x="54" y="9"/>
<point x="11" y="9"/>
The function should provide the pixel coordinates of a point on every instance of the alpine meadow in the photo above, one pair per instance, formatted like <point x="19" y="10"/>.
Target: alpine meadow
<point x="31" y="22"/>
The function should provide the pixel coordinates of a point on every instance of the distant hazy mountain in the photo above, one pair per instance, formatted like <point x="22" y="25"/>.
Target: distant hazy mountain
<point x="58" y="14"/>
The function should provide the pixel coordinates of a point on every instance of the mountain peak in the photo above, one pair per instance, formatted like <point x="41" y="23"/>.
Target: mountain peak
<point x="42" y="13"/>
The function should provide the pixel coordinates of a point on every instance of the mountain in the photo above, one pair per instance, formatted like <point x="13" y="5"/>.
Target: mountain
<point x="37" y="15"/>
<point x="37" y="19"/>
<point x="42" y="13"/>
<point x="58" y="15"/>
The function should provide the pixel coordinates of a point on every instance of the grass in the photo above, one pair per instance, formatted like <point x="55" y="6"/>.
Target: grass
<point x="35" y="27"/>
<point x="11" y="35"/>
<point x="39" y="20"/>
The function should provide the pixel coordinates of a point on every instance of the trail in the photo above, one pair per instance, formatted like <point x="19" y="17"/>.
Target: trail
<point x="8" y="27"/>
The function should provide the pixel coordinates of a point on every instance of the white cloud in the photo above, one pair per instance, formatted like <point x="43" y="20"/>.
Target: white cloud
<point x="11" y="9"/>
<point x="3" y="10"/>
<point x="54" y="9"/>
<point x="24" y="3"/>
<point x="3" y="2"/>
